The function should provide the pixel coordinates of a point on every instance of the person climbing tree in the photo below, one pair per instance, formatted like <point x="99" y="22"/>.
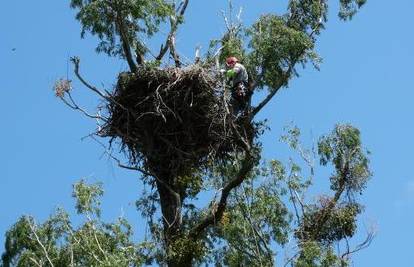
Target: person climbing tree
<point x="168" y="121"/>
<point x="238" y="77"/>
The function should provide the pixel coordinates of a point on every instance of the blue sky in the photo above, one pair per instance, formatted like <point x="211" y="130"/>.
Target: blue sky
<point x="366" y="79"/>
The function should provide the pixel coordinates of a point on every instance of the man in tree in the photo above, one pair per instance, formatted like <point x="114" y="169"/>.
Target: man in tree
<point x="160" y="128"/>
<point x="237" y="74"/>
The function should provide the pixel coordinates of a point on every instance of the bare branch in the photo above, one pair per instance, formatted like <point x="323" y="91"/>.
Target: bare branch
<point x="107" y="96"/>
<point x="175" y="20"/>
<point x="76" y="62"/>
<point x="293" y="199"/>
<point x="118" y="161"/>
<point x="364" y="244"/>
<point x="73" y="105"/>
<point x="290" y="260"/>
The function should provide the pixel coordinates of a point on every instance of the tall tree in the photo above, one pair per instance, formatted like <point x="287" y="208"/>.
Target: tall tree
<point x="176" y="128"/>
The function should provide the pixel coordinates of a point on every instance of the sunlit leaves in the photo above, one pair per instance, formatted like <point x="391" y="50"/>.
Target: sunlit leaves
<point x="339" y="224"/>
<point x="57" y="242"/>
<point x="307" y="15"/>
<point x="315" y="255"/>
<point x="87" y="197"/>
<point x="107" y="18"/>
<point x="349" y="8"/>
<point x="344" y="150"/>
<point x="275" y="47"/>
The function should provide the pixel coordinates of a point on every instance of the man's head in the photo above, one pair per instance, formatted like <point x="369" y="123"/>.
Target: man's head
<point x="231" y="61"/>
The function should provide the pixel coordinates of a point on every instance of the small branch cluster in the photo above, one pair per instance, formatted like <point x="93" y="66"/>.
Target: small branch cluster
<point x="62" y="86"/>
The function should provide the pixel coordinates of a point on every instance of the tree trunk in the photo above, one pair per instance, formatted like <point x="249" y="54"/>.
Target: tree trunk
<point x="171" y="210"/>
<point x="171" y="205"/>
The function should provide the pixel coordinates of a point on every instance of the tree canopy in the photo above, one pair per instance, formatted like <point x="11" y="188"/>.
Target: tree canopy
<point x="176" y="128"/>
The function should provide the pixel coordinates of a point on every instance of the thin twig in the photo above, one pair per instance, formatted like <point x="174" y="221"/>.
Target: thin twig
<point x="32" y="228"/>
<point x="73" y="105"/>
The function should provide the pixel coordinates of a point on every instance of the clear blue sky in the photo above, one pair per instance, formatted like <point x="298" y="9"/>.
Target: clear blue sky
<point x="365" y="80"/>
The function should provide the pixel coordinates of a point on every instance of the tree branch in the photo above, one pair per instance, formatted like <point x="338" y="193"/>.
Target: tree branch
<point x="246" y="167"/>
<point x="175" y="20"/>
<point x="118" y="161"/>
<point x="76" y="62"/>
<point x="332" y="203"/>
<point x="366" y="243"/>
<point x="32" y="228"/>
<point x="247" y="214"/>
<point x="282" y="82"/>
<point x="126" y="46"/>
<point x="73" y="105"/>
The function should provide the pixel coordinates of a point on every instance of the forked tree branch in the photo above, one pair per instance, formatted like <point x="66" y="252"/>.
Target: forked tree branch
<point x="76" y="62"/>
<point x="73" y="105"/>
<point x="175" y="20"/>
<point x="364" y="244"/>
<point x="109" y="98"/>
<point x="246" y="167"/>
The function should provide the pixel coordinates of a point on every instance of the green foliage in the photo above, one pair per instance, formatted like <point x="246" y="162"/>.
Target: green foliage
<point x="232" y="45"/>
<point x="268" y="210"/>
<point x="57" y="243"/>
<point x="108" y="19"/>
<point x="340" y="222"/>
<point x="256" y="217"/>
<point x="343" y="148"/>
<point x="274" y="47"/>
<point x="307" y="15"/>
<point x="349" y="8"/>
<point x="87" y="197"/>
<point x="192" y="182"/>
<point x="315" y="255"/>
<point x="185" y="247"/>
<point x="262" y="213"/>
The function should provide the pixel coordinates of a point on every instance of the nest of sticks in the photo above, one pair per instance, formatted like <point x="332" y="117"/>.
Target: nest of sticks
<point x="173" y="120"/>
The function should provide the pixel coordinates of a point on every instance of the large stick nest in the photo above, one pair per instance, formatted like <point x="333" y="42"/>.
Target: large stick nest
<point x="173" y="119"/>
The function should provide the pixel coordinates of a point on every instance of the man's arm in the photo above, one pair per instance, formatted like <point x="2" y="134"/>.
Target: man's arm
<point x="231" y="73"/>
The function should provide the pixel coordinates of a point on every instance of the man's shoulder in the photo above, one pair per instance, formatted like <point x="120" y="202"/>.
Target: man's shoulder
<point x="239" y="66"/>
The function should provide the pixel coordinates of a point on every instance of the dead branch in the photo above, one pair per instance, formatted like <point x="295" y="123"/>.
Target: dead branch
<point x="73" y="105"/>
<point x="118" y="161"/>
<point x="107" y="97"/>
<point x="364" y="244"/>
<point x="76" y="62"/>
<point x="175" y="20"/>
